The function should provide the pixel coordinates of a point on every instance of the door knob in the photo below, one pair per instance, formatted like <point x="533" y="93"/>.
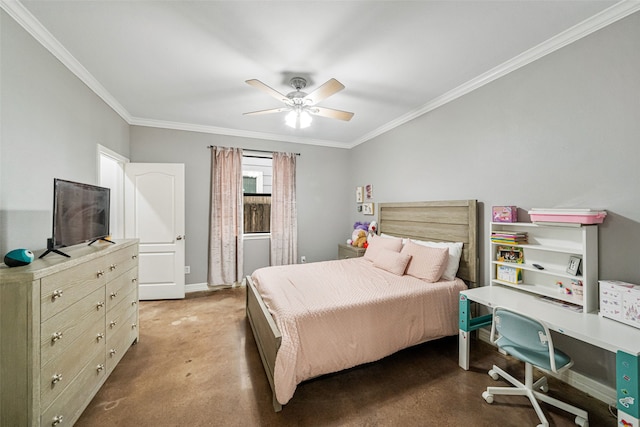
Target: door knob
<point x="180" y="237"/>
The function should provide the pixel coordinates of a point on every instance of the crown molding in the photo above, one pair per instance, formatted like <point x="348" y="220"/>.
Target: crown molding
<point x="24" y="18"/>
<point x="137" y="121"/>
<point x="607" y="17"/>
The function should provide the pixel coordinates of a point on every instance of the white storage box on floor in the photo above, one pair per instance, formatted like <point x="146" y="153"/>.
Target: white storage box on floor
<point x="620" y="301"/>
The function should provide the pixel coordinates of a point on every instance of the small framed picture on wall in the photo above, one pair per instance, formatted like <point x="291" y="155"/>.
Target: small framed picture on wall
<point x="359" y="194"/>
<point x="367" y="208"/>
<point x="368" y="191"/>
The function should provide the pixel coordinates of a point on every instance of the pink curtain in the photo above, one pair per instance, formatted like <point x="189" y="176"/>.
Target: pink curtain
<point x="284" y="214"/>
<point x="225" y="217"/>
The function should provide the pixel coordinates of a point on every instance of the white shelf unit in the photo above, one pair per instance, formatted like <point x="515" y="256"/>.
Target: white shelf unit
<point x="551" y="246"/>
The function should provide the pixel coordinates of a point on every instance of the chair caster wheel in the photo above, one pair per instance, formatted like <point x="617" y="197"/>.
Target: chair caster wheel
<point x="582" y="422"/>
<point x="544" y="388"/>
<point x="487" y="396"/>
<point x="493" y="374"/>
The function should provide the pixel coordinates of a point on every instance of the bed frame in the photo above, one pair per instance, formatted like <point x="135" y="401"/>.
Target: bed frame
<point x="446" y="221"/>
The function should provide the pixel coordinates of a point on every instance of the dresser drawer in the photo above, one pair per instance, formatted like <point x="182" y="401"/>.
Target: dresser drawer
<point x="60" y="331"/>
<point x="117" y="315"/>
<point x="72" y="401"/>
<point x="59" y="373"/>
<point x="120" y="287"/>
<point x="61" y="290"/>
<point x="119" y="341"/>
<point x="121" y="261"/>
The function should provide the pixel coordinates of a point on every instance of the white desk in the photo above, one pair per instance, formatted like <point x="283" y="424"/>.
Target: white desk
<point x="613" y="336"/>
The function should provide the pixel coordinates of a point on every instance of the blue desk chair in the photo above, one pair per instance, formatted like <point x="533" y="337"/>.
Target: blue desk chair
<point x="529" y="340"/>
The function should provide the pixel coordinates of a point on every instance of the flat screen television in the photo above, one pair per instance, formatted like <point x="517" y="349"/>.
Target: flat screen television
<point x="80" y="214"/>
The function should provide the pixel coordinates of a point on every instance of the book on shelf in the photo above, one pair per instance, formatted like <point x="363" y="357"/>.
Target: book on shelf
<point x="509" y="238"/>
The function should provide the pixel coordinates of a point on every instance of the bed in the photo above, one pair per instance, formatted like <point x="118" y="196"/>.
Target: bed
<point x="370" y="315"/>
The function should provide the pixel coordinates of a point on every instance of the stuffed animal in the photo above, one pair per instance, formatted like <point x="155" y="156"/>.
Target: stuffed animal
<point x="361" y="240"/>
<point x="373" y="229"/>
<point x="357" y="227"/>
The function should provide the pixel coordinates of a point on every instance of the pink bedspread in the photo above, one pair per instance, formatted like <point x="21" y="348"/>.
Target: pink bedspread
<point x="334" y="315"/>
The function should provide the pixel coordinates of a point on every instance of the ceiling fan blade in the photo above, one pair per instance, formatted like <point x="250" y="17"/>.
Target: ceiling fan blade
<point x="272" y="110"/>
<point x="323" y="92"/>
<point x="331" y="113"/>
<point x="269" y="90"/>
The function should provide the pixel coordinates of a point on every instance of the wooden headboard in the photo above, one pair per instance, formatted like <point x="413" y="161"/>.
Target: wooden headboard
<point x="441" y="221"/>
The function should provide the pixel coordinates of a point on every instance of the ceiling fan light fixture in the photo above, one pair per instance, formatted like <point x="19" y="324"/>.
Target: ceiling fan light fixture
<point x="298" y="119"/>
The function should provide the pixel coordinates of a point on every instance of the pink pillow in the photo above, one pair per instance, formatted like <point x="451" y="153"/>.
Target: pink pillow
<point x="393" y="262"/>
<point x="426" y="263"/>
<point x="377" y="244"/>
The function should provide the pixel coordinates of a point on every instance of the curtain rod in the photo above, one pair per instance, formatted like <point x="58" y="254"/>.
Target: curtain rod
<point x="257" y="151"/>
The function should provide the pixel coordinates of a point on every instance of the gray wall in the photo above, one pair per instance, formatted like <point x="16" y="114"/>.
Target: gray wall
<point x="322" y="195"/>
<point x="561" y="132"/>
<point x="51" y="125"/>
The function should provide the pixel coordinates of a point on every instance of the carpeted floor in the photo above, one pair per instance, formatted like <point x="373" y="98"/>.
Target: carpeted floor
<point x="197" y="364"/>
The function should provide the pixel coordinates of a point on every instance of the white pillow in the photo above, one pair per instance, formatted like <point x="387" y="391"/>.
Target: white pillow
<point x="455" y="252"/>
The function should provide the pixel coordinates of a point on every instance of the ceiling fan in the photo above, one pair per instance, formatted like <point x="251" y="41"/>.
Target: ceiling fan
<point x="301" y="105"/>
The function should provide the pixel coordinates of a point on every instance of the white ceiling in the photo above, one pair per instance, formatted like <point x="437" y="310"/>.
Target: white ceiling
<point x="183" y="64"/>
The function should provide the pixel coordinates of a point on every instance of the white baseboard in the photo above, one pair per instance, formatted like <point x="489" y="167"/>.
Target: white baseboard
<point x="198" y="287"/>
<point x="585" y="384"/>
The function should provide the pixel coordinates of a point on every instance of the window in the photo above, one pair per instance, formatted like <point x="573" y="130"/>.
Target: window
<point x="256" y="187"/>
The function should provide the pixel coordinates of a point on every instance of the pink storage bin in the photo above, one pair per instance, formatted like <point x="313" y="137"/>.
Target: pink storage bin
<point x="580" y="216"/>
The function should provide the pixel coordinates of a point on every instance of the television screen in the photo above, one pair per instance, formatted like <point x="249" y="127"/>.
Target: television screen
<point x="80" y="213"/>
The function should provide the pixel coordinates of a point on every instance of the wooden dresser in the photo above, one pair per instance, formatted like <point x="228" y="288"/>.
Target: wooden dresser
<point x="65" y="323"/>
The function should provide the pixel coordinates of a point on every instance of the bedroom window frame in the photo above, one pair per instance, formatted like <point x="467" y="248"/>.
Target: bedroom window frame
<point x="260" y="167"/>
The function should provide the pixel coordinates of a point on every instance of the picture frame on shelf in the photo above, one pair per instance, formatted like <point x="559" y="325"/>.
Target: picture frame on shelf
<point x="367" y="208"/>
<point x="359" y="194"/>
<point x="512" y="254"/>
<point x="574" y="265"/>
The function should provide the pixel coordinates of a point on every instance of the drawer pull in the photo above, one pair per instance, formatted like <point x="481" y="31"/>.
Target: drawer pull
<point x="100" y="367"/>
<point x="56" y="336"/>
<point x="134" y="302"/>
<point x="114" y="294"/>
<point x="113" y="323"/>
<point x="113" y="351"/>
<point x="56" y="378"/>
<point x="134" y="256"/>
<point x="134" y="280"/>
<point x="134" y="325"/>
<point x="56" y="294"/>
<point x="113" y="266"/>
<point x="100" y="305"/>
<point x="56" y="420"/>
<point x="100" y="273"/>
<point x="100" y="336"/>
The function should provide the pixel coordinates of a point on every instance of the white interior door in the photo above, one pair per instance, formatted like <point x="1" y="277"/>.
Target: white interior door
<point x="154" y="213"/>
